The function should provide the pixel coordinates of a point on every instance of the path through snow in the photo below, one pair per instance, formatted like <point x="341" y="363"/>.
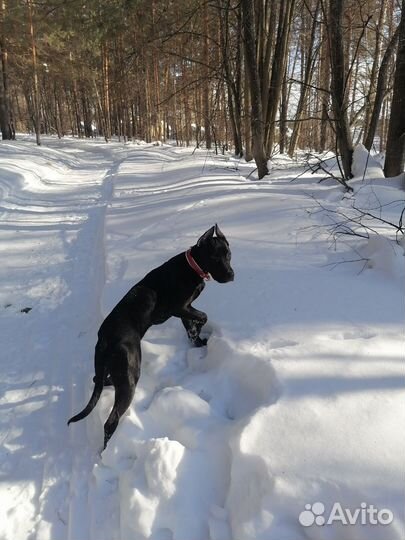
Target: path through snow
<point x="52" y="234"/>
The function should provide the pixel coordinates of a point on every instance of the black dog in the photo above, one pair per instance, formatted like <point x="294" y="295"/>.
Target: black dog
<point x="166" y="291"/>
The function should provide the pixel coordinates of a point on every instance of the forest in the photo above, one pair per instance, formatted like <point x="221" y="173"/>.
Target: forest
<point x="254" y="77"/>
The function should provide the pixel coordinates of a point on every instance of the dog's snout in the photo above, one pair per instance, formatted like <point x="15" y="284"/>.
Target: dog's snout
<point x="230" y="275"/>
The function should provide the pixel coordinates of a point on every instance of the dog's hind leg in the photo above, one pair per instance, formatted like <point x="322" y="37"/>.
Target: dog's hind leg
<point x="125" y="375"/>
<point x="123" y="397"/>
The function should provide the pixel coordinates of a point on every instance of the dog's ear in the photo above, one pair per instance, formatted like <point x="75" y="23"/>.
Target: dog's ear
<point x="220" y="234"/>
<point x="208" y="234"/>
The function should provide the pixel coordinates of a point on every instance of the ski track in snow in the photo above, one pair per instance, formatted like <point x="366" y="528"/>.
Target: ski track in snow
<point x="221" y="443"/>
<point x="73" y="218"/>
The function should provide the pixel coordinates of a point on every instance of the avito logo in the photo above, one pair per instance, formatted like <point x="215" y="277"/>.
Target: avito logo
<point x="367" y="514"/>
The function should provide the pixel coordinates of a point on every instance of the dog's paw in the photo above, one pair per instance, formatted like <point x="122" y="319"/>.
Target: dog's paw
<point x="200" y="342"/>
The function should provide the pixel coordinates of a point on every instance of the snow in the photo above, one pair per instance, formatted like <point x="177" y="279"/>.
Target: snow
<point x="296" y="400"/>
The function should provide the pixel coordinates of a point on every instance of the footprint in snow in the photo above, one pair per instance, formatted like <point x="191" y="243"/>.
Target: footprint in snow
<point x="351" y="334"/>
<point x="235" y="383"/>
<point x="362" y="334"/>
<point x="281" y="343"/>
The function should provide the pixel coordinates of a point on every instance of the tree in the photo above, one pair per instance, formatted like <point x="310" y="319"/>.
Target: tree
<point x="339" y="72"/>
<point x="380" y="91"/>
<point x="35" y="70"/>
<point x="395" y="154"/>
<point x="231" y="55"/>
<point x="249" y="36"/>
<point x="311" y="53"/>
<point x="6" y="126"/>
<point x="278" y="68"/>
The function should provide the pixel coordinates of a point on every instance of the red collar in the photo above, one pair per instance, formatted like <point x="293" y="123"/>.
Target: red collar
<point x="195" y="267"/>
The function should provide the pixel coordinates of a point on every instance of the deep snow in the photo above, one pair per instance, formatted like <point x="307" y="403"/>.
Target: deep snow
<point x="297" y="399"/>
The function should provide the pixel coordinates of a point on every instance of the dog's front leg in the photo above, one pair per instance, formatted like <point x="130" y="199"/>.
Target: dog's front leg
<point x="193" y="329"/>
<point x="193" y="320"/>
<point x="191" y="314"/>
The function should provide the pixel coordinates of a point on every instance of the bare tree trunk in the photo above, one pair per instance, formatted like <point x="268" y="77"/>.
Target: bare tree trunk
<point x="232" y="73"/>
<point x="283" y="116"/>
<point x="6" y="124"/>
<point x="370" y="97"/>
<point x="395" y="153"/>
<point x="247" y="119"/>
<point x="57" y="116"/>
<point x="339" y="87"/>
<point x="37" y="120"/>
<point x="206" y="87"/>
<point x="380" y="91"/>
<point x="5" y="119"/>
<point x="308" y="71"/>
<point x="354" y="77"/>
<point x="254" y="85"/>
<point x="74" y="104"/>
<point x="87" y="119"/>
<point x="324" y="82"/>
<point x="235" y="124"/>
<point x="278" y="70"/>
<point x="101" y="115"/>
<point x="267" y="30"/>
<point x="106" y="105"/>
<point x="383" y="123"/>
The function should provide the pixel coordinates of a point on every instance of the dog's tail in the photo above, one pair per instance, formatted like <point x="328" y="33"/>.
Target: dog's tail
<point x="98" y="388"/>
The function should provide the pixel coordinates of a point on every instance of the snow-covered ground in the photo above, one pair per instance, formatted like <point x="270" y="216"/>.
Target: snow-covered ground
<point x="298" y="398"/>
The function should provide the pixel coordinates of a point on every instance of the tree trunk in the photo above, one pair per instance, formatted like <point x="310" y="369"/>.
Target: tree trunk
<point x="380" y="91"/>
<point x="324" y="81"/>
<point x="395" y="153"/>
<point x="106" y="101"/>
<point x="370" y="97"/>
<point x="206" y="86"/>
<point x="308" y="71"/>
<point x="232" y="73"/>
<point x="277" y="71"/>
<point x="254" y="85"/>
<point x="247" y="120"/>
<point x="338" y="87"/>
<point x="37" y="120"/>
<point x="5" y="117"/>
<point x="7" y="131"/>
<point x="283" y="116"/>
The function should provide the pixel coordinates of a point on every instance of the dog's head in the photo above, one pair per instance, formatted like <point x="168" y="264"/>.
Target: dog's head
<point x="213" y="255"/>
